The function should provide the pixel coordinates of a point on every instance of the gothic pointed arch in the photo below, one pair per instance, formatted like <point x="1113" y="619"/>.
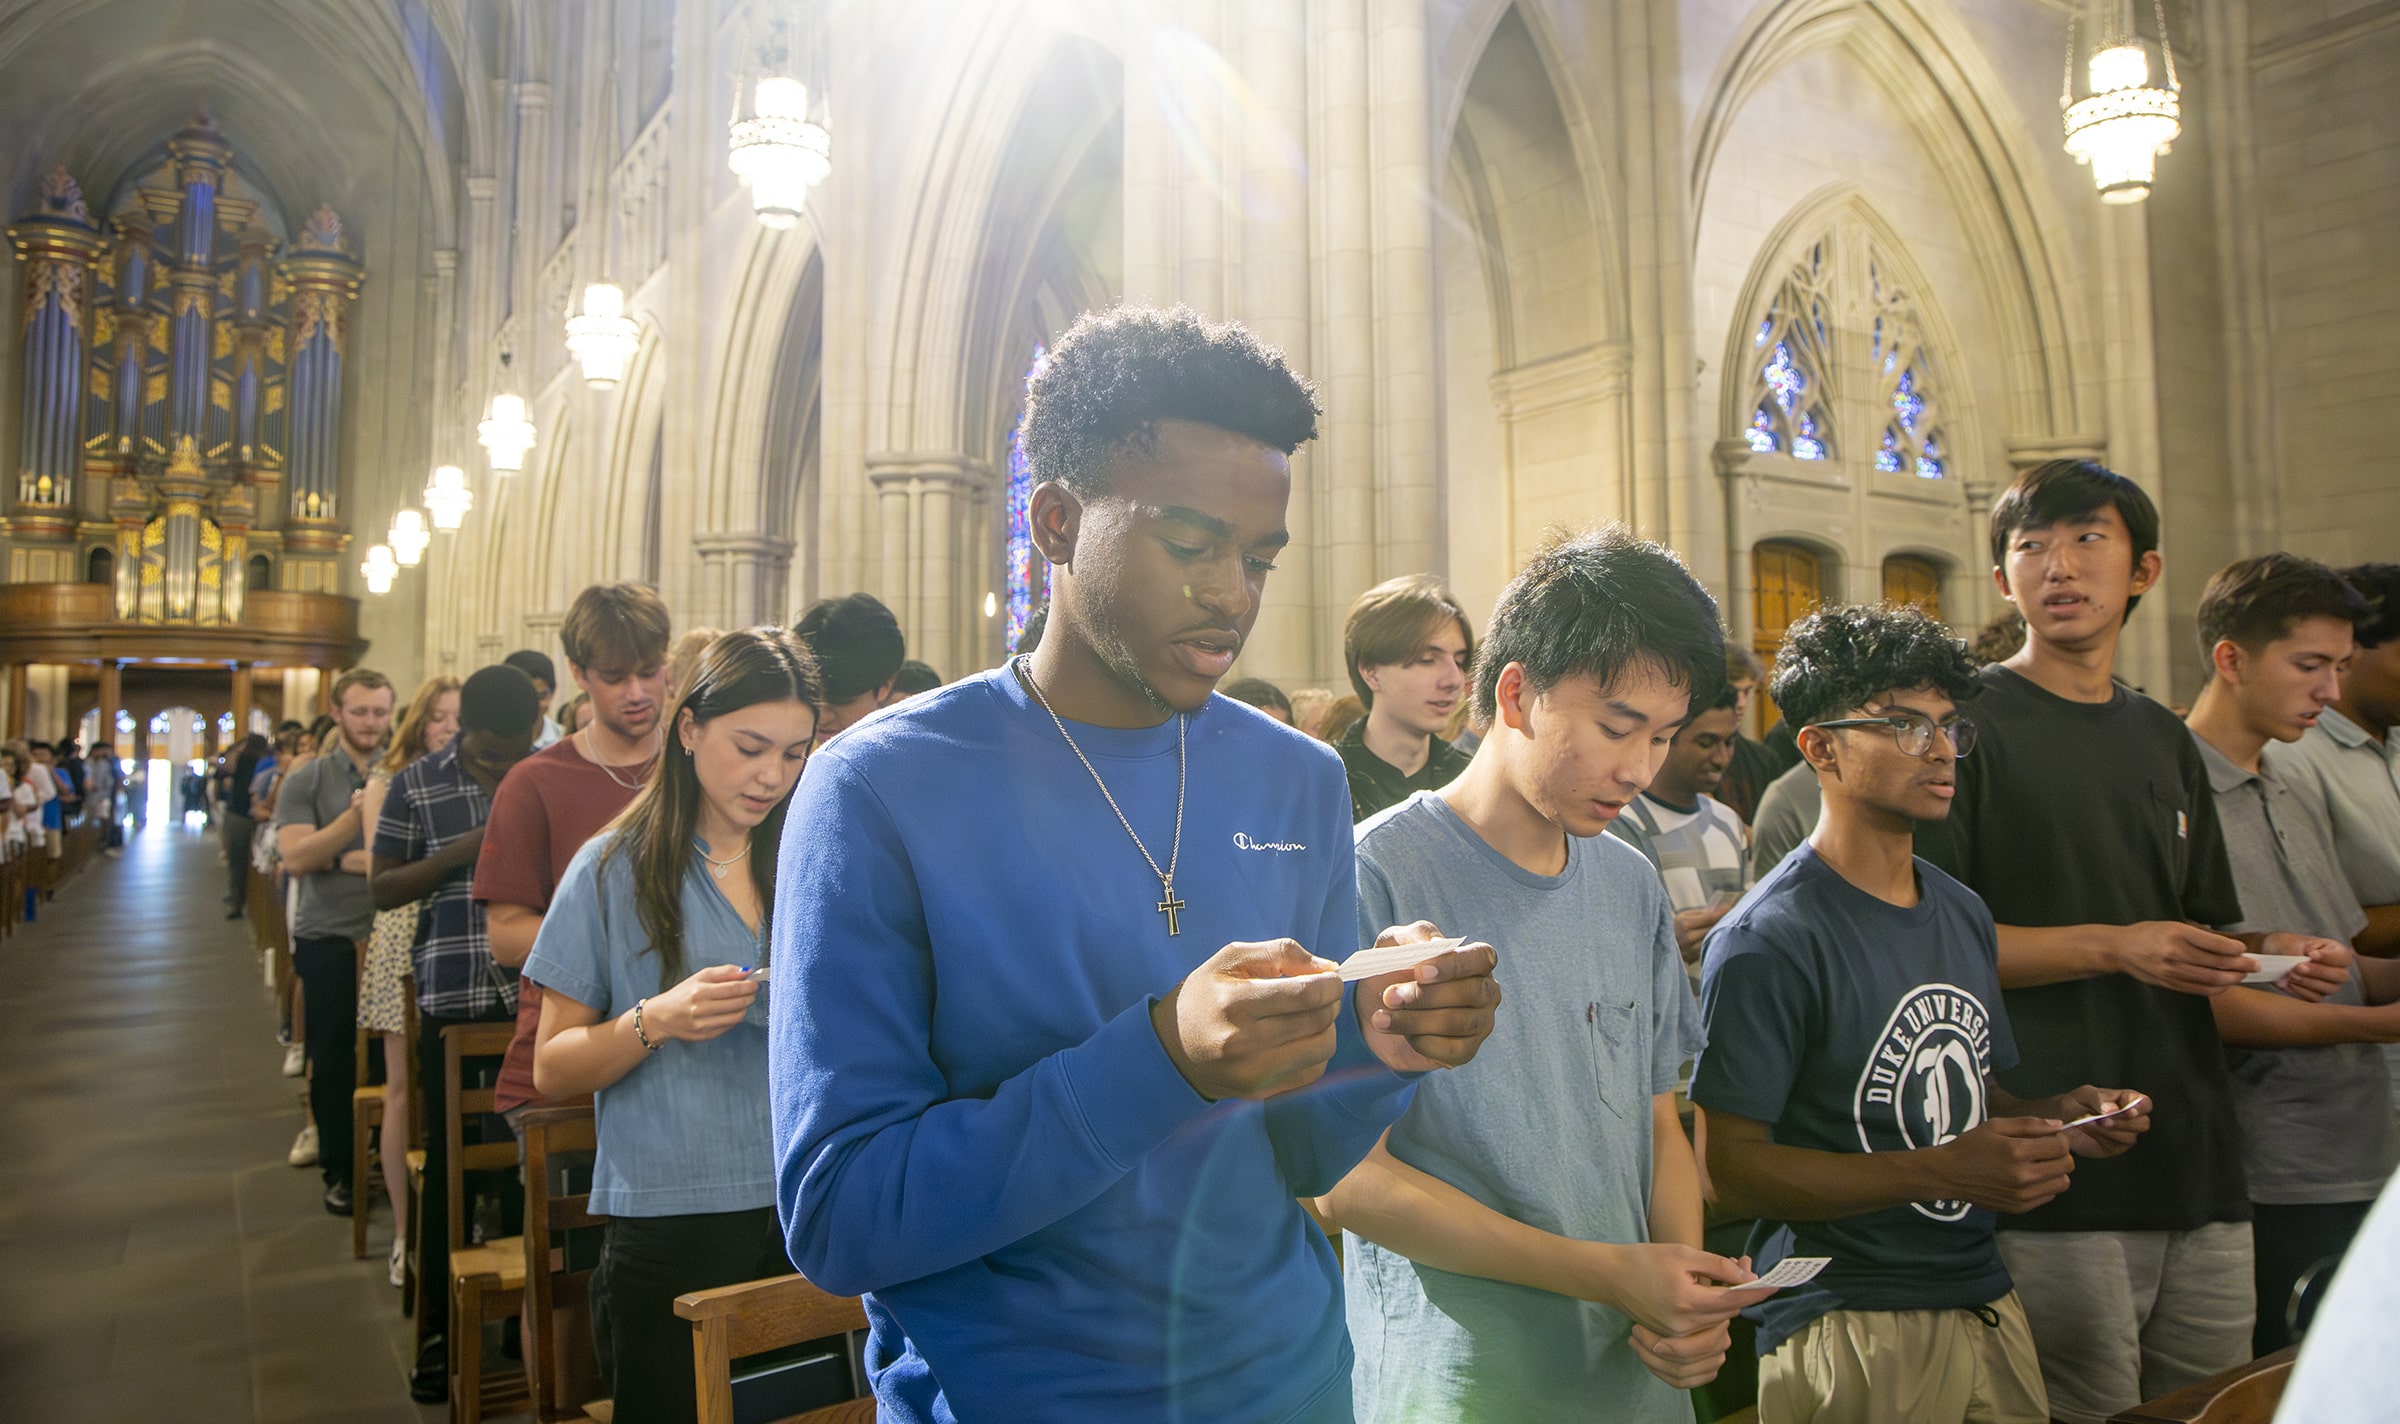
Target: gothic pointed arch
<point x="1930" y="68"/>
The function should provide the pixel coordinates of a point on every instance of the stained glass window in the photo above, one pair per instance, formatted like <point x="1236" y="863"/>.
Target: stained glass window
<point x="1789" y="412"/>
<point x="1839" y="354"/>
<point x="1028" y="576"/>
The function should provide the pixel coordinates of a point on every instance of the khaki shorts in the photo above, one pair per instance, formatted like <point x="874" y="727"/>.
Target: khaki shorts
<point x="1906" y="1367"/>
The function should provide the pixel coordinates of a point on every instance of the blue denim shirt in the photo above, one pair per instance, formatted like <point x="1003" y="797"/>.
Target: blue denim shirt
<point x="686" y="1131"/>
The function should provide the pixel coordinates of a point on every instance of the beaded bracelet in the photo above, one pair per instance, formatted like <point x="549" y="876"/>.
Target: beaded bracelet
<point x="638" y="1006"/>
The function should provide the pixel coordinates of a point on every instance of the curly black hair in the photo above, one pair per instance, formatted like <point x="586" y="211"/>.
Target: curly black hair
<point x="1838" y="659"/>
<point x="1116" y="374"/>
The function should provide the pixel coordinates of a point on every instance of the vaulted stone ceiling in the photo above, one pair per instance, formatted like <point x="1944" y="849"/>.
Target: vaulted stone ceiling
<point x="353" y="102"/>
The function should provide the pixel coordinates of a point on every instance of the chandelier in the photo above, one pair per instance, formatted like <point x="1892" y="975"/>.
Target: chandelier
<point x="449" y="498"/>
<point x="603" y="338"/>
<point x="409" y="536"/>
<point x="506" y="434"/>
<point x="2124" y="123"/>
<point x="777" y="152"/>
<point x="379" y="569"/>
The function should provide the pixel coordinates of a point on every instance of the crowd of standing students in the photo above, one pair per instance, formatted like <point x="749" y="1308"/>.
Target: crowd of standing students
<point x="1020" y="1013"/>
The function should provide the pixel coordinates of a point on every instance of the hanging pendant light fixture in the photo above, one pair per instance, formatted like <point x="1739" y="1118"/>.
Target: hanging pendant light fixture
<point x="777" y="152"/>
<point x="448" y="497"/>
<point x="504" y="432"/>
<point x="380" y="569"/>
<point x="2124" y="123"/>
<point x="603" y="338"/>
<point x="410" y="534"/>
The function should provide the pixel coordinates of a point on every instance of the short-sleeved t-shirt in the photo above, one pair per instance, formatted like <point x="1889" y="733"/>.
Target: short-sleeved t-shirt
<point x="547" y="806"/>
<point x="1700" y="851"/>
<point x="686" y="1131"/>
<point x="333" y="903"/>
<point x="1550" y="1124"/>
<point x="2317" y="1124"/>
<point x="1849" y="1024"/>
<point x="2100" y="813"/>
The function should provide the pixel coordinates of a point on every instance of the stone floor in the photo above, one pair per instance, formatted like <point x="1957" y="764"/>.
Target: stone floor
<point x="157" y="1258"/>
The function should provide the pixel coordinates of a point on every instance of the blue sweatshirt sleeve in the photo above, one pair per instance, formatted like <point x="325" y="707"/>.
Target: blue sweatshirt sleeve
<point x="882" y="1176"/>
<point x="1322" y="1131"/>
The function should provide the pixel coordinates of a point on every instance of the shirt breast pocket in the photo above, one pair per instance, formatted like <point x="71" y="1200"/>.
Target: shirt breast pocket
<point x="1620" y="1049"/>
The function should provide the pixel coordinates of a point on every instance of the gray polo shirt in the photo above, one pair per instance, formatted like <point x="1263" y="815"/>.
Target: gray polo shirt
<point x="2317" y="1121"/>
<point x="2358" y="778"/>
<point x="334" y="904"/>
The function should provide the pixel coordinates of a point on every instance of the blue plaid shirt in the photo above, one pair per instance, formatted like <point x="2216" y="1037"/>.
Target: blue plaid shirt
<point x="433" y="804"/>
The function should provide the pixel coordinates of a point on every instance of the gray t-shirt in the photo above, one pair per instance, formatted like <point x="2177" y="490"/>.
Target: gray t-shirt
<point x="2317" y="1124"/>
<point x="1550" y="1124"/>
<point x="334" y="904"/>
<point x="1787" y="813"/>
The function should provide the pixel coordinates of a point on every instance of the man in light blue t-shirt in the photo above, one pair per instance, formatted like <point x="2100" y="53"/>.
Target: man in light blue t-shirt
<point x="1525" y="1242"/>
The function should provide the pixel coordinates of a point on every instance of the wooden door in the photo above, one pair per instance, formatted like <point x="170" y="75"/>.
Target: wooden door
<point x="1789" y="580"/>
<point x="1913" y="582"/>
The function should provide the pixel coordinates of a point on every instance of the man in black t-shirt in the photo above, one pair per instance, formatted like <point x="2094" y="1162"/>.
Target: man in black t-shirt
<point x="2086" y="823"/>
<point x="1855" y="1022"/>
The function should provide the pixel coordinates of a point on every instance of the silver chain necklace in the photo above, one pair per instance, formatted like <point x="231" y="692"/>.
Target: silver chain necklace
<point x="723" y="868"/>
<point x="633" y="785"/>
<point x="1169" y="906"/>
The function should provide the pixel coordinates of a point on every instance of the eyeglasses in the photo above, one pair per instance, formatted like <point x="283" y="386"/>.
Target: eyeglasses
<point x="1913" y="732"/>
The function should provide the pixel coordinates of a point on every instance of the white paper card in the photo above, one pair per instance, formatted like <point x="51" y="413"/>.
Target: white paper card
<point x="1391" y="959"/>
<point x="2118" y="1111"/>
<point x="1790" y="1271"/>
<point x="2272" y="967"/>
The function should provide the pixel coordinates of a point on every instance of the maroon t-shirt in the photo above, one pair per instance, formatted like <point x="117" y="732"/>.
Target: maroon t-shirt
<point x="547" y="806"/>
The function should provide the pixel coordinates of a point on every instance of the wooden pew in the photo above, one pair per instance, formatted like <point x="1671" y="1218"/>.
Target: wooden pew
<point x="2245" y="1394"/>
<point x="731" y="1322"/>
<point x="560" y="1369"/>
<point x="486" y="1282"/>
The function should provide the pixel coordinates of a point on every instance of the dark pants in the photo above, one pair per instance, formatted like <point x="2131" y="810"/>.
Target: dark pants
<point x="328" y="970"/>
<point x="433" y="1212"/>
<point x="2287" y="1240"/>
<point x="645" y="1263"/>
<point x="235" y="833"/>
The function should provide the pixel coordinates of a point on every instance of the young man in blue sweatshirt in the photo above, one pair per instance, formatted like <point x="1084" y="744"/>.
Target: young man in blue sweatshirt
<point x="1055" y="1035"/>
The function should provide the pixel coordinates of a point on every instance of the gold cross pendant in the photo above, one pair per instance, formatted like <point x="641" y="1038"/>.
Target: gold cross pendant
<point x="1171" y="908"/>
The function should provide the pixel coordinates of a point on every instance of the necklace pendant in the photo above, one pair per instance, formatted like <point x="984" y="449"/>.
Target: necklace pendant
<point x="720" y="871"/>
<point x="1172" y="908"/>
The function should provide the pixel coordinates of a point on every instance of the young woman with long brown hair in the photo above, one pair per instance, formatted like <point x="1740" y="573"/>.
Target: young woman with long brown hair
<point x="428" y="726"/>
<point x="651" y="959"/>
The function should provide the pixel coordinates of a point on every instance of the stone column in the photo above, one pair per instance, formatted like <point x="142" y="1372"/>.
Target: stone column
<point x="926" y="500"/>
<point x="1408" y="398"/>
<point x="1345" y="285"/>
<point x="57" y="244"/>
<point x="751" y="568"/>
<point x="1273" y="300"/>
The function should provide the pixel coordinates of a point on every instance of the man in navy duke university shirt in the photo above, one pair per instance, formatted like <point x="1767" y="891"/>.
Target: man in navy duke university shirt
<point x="1055" y="1039"/>
<point x="1856" y="1031"/>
